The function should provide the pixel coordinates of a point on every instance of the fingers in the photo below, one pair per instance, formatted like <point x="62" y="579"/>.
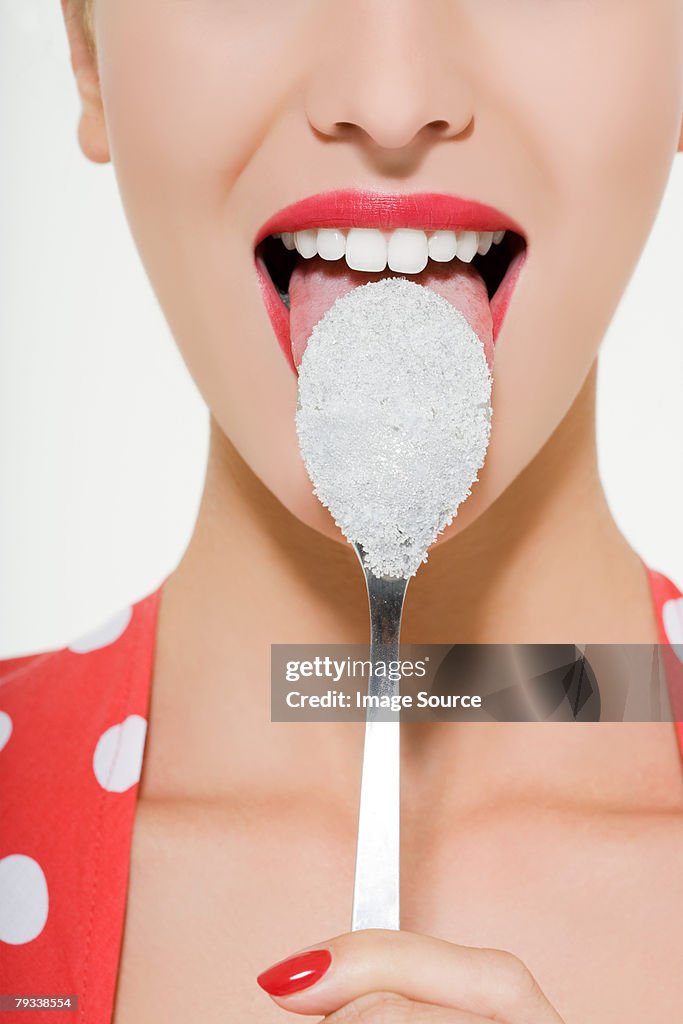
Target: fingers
<point x="491" y="983"/>
<point x="382" y="1007"/>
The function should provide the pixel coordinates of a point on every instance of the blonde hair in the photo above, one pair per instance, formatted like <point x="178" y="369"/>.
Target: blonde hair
<point x="85" y="12"/>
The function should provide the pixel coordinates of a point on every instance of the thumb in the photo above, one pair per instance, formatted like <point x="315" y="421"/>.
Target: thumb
<point x="489" y="982"/>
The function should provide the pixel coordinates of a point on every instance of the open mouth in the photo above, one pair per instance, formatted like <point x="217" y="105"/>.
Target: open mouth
<point x="474" y="261"/>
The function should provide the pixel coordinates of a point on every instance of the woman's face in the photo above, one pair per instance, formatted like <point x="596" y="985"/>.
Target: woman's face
<point x="562" y="114"/>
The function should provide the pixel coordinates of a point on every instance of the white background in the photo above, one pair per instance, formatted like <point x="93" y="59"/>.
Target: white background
<point x="103" y="436"/>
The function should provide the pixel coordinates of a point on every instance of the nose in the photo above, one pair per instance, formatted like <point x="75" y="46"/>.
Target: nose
<point x="387" y="75"/>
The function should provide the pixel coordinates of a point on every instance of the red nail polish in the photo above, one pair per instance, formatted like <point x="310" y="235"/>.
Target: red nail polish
<point x="296" y="973"/>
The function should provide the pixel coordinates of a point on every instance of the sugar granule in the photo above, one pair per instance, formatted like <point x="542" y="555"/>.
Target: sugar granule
<point x="393" y="418"/>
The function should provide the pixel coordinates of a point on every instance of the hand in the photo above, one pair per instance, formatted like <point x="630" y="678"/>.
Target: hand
<point x="386" y="977"/>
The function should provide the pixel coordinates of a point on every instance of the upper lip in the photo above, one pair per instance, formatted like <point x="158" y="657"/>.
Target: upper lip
<point x="348" y="208"/>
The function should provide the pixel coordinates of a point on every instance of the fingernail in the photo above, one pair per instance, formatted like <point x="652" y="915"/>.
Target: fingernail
<point x="296" y="973"/>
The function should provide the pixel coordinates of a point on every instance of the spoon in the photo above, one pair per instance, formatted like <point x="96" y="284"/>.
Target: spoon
<point x="393" y="421"/>
<point x="376" y="887"/>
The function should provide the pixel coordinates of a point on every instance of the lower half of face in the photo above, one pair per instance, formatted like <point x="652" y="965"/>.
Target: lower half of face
<point x="564" y="117"/>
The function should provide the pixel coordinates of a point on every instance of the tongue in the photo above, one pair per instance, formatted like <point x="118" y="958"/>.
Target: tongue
<point x="316" y="284"/>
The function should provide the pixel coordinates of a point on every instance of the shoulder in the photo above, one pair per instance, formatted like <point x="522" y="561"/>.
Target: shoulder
<point x="668" y="601"/>
<point x="53" y="701"/>
<point x="72" y="733"/>
<point x="106" y="647"/>
<point x="668" y="604"/>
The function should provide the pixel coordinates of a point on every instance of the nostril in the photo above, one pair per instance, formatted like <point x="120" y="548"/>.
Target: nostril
<point x="345" y="128"/>
<point x="447" y="130"/>
<point x="393" y="124"/>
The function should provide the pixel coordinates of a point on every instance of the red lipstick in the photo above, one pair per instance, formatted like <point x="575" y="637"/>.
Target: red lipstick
<point x="353" y="208"/>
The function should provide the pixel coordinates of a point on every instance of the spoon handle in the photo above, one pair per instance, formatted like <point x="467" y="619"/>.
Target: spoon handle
<point x="376" y="886"/>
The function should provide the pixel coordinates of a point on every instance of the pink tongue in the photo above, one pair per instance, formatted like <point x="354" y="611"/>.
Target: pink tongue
<point x="316" y="284"/>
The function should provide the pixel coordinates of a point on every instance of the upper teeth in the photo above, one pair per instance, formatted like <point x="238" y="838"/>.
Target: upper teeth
<point x="405" y="250"/>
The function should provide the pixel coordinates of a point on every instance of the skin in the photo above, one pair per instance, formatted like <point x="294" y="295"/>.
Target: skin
<point x="581" y="105"/>
<point x="471" y="986"/>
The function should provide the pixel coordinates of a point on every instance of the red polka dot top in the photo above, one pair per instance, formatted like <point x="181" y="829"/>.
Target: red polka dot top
<point x="72" y="737"/>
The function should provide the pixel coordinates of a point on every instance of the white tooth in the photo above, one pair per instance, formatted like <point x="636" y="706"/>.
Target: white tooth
<point x="331" y="243"/>
<point x="307" y="243"/>
<point x="366" y="249"/>
<point x="468" y="243"/>
<point x="442" y="246"/>
<point x="288" y="240"/>
<point x="498" y="237"/>
<point x="408" y="251"/>
<point x="485" y="242"/>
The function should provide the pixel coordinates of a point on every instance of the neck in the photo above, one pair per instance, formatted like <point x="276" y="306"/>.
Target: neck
<point x="545" y="564"/>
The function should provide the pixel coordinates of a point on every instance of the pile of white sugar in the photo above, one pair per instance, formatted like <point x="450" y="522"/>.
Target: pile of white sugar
<point x="393" y="418"/>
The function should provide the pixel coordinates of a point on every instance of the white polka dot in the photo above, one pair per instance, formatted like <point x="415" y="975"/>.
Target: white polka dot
<point x="23" y="899"/>
<point x="5" y="728"/>
<point x="105" y="634"/>
<point x="117" y="761"/>
<point x="672" y="614"/>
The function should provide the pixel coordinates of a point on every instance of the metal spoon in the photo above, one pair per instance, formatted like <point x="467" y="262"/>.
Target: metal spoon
<point x="376" y="887"/>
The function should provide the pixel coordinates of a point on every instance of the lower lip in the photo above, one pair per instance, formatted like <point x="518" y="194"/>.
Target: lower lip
<point x="277" y="311"/>
<point x="279" y="314"/>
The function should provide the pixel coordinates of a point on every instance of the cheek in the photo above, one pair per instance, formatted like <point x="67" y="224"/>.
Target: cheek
<point x="602" y="123"/>
<point x="184" y="119"/>
<point x="188" y="87"/>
